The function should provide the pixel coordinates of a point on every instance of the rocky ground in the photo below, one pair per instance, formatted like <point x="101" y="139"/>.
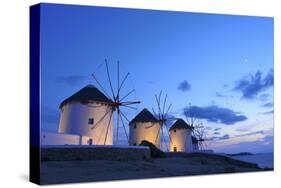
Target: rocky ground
<point x="53" y="172"/>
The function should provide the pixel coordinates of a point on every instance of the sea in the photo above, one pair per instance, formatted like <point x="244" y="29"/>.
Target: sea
<point x="264" y="160"/>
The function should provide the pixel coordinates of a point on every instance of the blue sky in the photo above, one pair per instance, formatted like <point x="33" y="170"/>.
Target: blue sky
<point x="219" y="65"/>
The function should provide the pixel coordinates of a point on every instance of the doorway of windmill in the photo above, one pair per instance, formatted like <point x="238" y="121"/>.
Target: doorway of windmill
<point x="175" y="149"/>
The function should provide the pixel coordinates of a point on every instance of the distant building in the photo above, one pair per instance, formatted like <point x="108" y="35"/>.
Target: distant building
<point x="144" y="127"/>
<point x="180" y="134"/>
<point x="79" y="113"/>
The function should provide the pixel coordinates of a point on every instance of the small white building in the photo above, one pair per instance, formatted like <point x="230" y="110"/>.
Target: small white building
<point x="79" y="113"/>
<point x="144" y="127"/>
<point x="180" y="134"/>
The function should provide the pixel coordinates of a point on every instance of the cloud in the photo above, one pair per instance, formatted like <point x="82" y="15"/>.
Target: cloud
<point x="269" y="112"/>
<point x="184" y="86"/>
<point x="219" y="95"/>
<point x="242" y="129"/>
<point x="252" y="85"/>
<point x="217" y="133"/>
<point x="215" y="114"/>
<point x="224" y="137"/>
<point x="268" y="105"/>
<point x="217" y="129"/>
<point x="264" y="145"/>
<point x="264" y="97"/>
<point x="70" y="80"/>
<point x="251" y="133"/>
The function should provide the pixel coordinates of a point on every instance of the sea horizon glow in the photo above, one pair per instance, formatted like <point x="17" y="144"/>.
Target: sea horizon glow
<point x="220" y="65"/>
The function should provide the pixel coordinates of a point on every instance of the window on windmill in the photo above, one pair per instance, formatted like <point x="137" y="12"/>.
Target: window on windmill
<point x="90" y="141"/>
<point x="175" y="130"/>
<point x="135" y="125"/>
<point x="91" y="121"/>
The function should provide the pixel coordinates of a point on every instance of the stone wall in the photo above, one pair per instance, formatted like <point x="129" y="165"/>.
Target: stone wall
<point x="69" y="153"/>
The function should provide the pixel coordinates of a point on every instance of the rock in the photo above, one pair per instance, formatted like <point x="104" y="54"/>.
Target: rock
<point x="154" y="151"/>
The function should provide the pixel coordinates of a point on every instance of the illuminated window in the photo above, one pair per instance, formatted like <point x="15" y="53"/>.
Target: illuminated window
<point x="91" y="121"/>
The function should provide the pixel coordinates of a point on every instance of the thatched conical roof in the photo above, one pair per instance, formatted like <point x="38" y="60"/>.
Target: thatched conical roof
<point x="88" y="93"/>
<point x="144" y="116"/>
<point x="180" y="124"/>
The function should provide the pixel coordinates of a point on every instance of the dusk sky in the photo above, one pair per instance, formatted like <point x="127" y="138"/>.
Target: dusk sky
<point x="220" y="66"/>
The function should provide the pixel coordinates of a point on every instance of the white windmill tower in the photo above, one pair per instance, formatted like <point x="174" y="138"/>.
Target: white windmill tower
<point x="163" y="120"/>
<point x="78" y="115"/>
<point x="181" y="134"/>
<point x="139" y="129"/>
<point x="89" y="112"/>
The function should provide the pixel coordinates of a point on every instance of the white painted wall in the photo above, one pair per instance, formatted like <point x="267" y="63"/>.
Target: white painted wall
<point x="74" y="120"/>
<point x="140" y="133"/>
<point x="48" y="138"/>
<point x="181" y="139"/>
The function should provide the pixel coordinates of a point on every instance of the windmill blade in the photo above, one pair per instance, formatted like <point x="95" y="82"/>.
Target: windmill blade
<point x="100" y="120"/>
<point x="130" y="102"/>
<point x="122" y="121"/>
<point x="103" y="90"/>
<point x="164" y="138"/>
<point x="123" y="81"/>
<point x="117" y="125"/>
<point x="158" y="105"/>
<point x="107" y="70"/>
<point x="122" y="114"/>
<point x="155" y="114"/>
<point x="134" y="108"/>
<point x="108" y="127"/>
<point x="118" y="80"/>
<point x="165" y="124"/>
<point x="164" y="105"/>
<point x="168" y="109"/>
<point x="127" y="94"/>
<point x="157" y="135"/>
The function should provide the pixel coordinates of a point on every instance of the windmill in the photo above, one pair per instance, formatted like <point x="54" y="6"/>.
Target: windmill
<point x="118" y="101"/>
<point x="161" y="112"/>
<point x="198" y="130"/>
